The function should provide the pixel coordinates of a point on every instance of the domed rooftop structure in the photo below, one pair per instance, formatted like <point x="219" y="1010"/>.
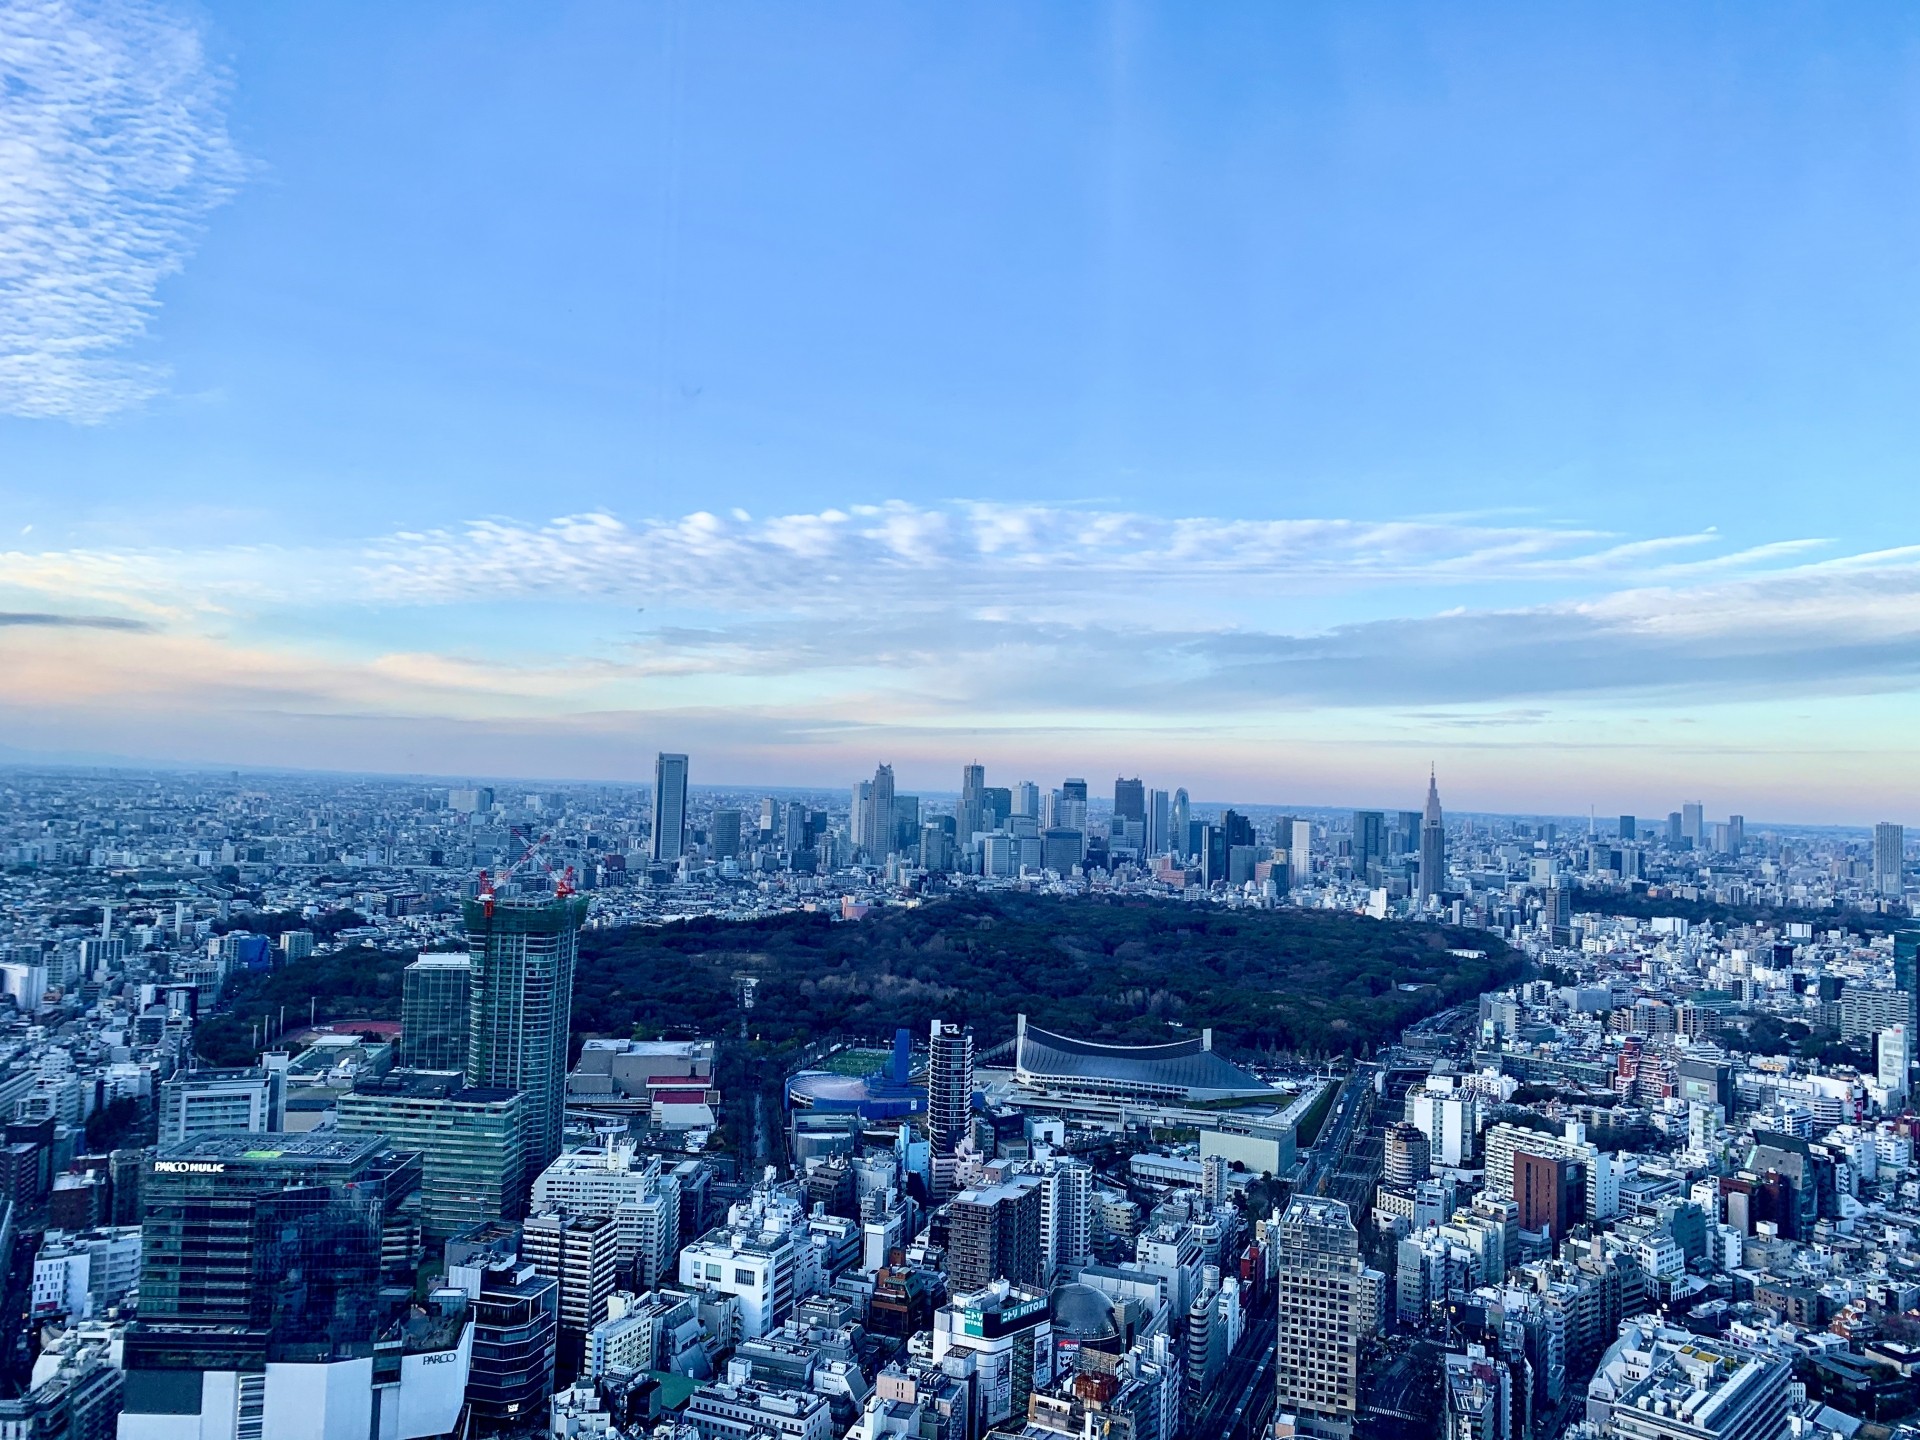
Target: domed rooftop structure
<point x="1082" y="1313"/>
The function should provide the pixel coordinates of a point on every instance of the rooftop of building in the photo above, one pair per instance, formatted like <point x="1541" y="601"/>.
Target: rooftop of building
<point x="1188" y="1064"/>
<point x="314" y="1147"/>
<point x="432" y="1085"/>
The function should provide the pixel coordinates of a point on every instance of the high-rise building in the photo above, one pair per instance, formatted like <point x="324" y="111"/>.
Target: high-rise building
<point x="1066" y="1214"/>
<point x="1693" y="823"/>
<point x="1894" y="1059"/>
<point x="472" y="1144"/>
<point x="641" y="1197"/>
<point x="1074" y="789"/>
<point x="434" y="1012"/>
<point x="1408" y="1156"/>
<point x="859" y="811"/>
<point x="723" y="833"/>
<point x="878" y="828"/>
<point x="1179" y="817"/>
<point x="1906" y="976"/>
<point x="1549" y="1191"/>
<point x="1130" y="801"/>
<point x="1676" y="824"/>
<point x="1433" y="843"/>
<point x="516" y="1314"/>
<point x="1026" y="799"/>
<point x="1159" y="823"/>
<point x="669" y="807"/>
<point x="949" y="1099"/>
<point x="262" y="1248"/>
<point x="523" y="954"/>
<point x="993" y="1234"/>
<point x="1300" y="850"/>
<point x="906" y="823"/>
<point x="1369" y="840"/>
<point x="212" y="1102"/>
<point x="581" y="1254"/>
<point x="1628" y="827"/>
<point x="1889" y="860"/>
<point x="970" y="818"/>
<point x="1330" y="1303"/>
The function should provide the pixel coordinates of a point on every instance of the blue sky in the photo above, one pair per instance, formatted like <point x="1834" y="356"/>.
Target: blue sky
<point x="1270" y="399"/>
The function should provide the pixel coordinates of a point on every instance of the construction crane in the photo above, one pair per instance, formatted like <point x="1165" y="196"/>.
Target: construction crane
<point x="563" y="885"/>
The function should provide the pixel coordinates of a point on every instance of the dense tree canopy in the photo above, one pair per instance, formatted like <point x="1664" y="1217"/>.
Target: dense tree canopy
<point x="1134" y="971"/>
<point x="1125" y="970"/>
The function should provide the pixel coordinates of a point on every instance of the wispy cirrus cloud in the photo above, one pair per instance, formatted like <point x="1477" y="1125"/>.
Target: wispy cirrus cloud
<point x="47" y="621"/>
<point x="1025" y="558"/>
<point x="113" y="149"/>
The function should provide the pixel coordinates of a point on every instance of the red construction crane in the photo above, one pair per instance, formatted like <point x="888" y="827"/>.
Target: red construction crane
<point x="563" y="885"/>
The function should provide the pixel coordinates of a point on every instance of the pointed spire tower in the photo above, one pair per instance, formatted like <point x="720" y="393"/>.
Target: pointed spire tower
<point x="1433" y="843"/>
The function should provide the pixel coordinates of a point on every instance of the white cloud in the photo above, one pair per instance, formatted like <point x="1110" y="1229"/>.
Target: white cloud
<point x="113" y="149"/>
<point x="982" y="554"/>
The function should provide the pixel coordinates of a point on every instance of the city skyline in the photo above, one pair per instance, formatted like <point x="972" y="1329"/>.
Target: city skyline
<point x="1291" y="397"/>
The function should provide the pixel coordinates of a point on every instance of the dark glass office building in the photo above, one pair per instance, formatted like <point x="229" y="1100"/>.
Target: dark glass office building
<point x="283" y="1247"/>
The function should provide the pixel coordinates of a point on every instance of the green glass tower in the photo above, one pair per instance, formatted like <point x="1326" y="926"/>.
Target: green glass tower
<point x="520" y="998"/>
<point x="472" y="1145"/>
<point x="434" y="1009"/>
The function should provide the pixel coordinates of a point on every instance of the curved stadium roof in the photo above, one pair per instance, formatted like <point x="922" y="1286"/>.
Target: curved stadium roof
<point x="1187" y="1067"/>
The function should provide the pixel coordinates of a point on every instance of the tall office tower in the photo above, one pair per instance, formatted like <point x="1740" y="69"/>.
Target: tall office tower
<point x="1906" y="973"/>
<point x="523" y="954"/>
<point x="1369" y="840"/>
<point x="949" y="1099"/>
<point x="1074" y="790"/>
<point x="769" y="816"/>
<point x="1159" y="823"/>
<point x="669" y="807"/>
<point x="878" y="828"/>
<point x="1736" y="834"/>
<point x="859" y="811"/>
<point x="1406" y="834"/>
<point x="263" y="1272"/>
<point x="971" y="818"/>
<point x="581" y="1253"/>
<point x="472" y="1145"/>
<point x="1889" y="859"/>
<point x="723" y="832"/>
<point x="1300" y="850"/>
<point x="1026" y="799"/>
<point x="1628" y="826"/>
<point x="1556" y="910"/>
<point x="1433" y="843"/>
<point x="1236" y="829"/>
<point x="1693" y="822"/>
<point x="797" y="833"/>
<point x="1330" y="1302"/>
<point x="1674" y="826"/>
<point x="1130" y="801"/>
<point x="996" y="806"/>
<point x="906" y="822"/>
<point x="1178" y="819"/>
<point x="994" y="1234"/>
<point x="434" y="1003"/>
